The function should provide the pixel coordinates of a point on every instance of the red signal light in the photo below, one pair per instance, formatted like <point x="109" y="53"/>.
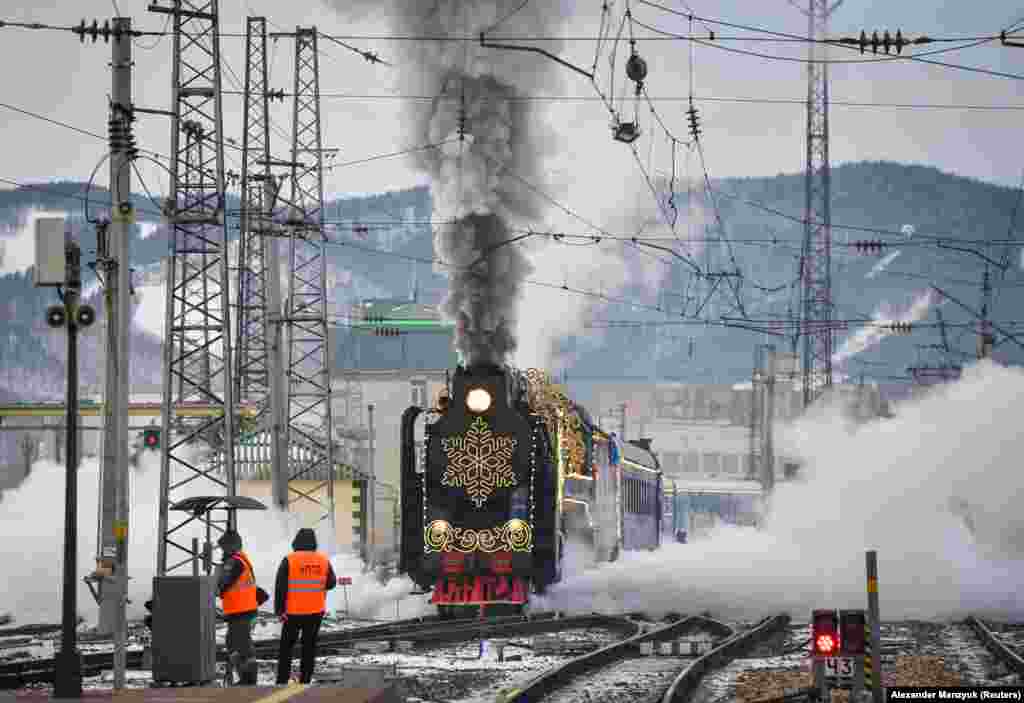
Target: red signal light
<point x="151" y="439"/>
<point x="824" y="644"/>
<point x="824" y="633"/>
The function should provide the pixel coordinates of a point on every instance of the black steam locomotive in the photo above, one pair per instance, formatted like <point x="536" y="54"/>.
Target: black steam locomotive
<point x="503" y="475"/>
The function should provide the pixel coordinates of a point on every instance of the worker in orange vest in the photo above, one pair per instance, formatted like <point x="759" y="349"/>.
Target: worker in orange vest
<point x="237" y="590"/>
<point x="300" y="599"/>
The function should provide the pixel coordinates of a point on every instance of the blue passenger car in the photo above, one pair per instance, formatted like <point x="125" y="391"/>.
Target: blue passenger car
<point x="697" y="506"/>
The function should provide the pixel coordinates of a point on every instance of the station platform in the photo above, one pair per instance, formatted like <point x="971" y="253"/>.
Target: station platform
<point x="294" y="693"/>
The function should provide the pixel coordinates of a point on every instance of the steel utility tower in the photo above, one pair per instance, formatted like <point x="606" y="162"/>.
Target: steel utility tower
<point x="310" y="427"/>
<point x="816" y="261"/>
<point x="259" y="372"/>
<point x="197" y="339"/>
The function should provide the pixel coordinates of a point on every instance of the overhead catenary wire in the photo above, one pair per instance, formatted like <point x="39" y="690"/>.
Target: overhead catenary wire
<point x="473" y="38"/>
<point x="386" y="156"/>
<point x="909" y="57"/>
<point x="794" y="218"/>
<point x="724" y="322"/>
<point x="328" y="95"/>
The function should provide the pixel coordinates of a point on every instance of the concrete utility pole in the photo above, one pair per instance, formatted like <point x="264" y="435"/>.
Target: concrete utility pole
<point x="274" y="331"/>
<point x="768" y="439"/>
<point x="622" y="420"/>
<point x="371" y="492"/>
<point x="113" y="254"/>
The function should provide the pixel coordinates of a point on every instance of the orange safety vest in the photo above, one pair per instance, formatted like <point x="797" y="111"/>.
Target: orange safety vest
<point x="307" y="583"/>
<point x="241" y="597"/>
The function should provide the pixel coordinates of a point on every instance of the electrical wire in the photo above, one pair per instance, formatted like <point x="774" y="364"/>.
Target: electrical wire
<point x="909" y="57"/>
<point x="780" y="38"/>
<point x="801" y="102"/>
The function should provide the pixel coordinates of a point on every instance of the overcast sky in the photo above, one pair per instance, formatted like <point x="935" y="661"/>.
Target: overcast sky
<point x="51" y="73"/>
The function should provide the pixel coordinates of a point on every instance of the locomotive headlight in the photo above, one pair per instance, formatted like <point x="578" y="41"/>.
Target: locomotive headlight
<point x="478" y="400"/>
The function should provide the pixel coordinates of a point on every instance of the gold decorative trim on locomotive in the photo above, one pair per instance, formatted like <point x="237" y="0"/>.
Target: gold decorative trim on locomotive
<point x="549" y="401"/>
<point x="514" y="536"/>
<point x="479" y="462"/>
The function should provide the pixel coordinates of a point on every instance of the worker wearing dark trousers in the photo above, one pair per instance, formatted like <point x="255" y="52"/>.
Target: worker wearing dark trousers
<point x="300" y="599"/>
<point x="237" y="590"/>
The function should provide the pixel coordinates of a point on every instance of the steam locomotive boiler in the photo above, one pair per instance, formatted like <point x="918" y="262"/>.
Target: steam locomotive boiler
<point x="508" y="471"/>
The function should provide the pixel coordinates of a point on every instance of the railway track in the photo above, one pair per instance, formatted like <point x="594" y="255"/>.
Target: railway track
<point x="419" y="631"/>
<point x="617" y="672"/>
<point x="999" y="649"/>
<point x="913" y="653"/>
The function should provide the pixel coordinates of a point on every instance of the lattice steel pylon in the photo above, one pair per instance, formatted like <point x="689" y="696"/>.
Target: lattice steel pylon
<point x="259" y="371"/>
<point x="251" y="362"/>
<point x="197" y="341"/>
<point x="310" y="422"/>
<point x="816" y="263"/>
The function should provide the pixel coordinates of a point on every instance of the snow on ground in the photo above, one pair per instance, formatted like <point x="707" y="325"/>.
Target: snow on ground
<point x="451" y="673"/>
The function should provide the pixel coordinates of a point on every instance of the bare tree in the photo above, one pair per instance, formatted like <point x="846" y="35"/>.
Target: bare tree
<point x="29" y="446"/>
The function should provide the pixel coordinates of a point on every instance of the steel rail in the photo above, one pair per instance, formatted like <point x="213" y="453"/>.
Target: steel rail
<point x="997" y="647"/>
<point x="429" y="630"/>
<point x="686" y="683"/>
<point x="559" y="676"/>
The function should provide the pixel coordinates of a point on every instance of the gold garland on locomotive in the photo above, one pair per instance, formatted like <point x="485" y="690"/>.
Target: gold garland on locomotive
<point x="547" y="400"/>
<point x="514" y="536"/>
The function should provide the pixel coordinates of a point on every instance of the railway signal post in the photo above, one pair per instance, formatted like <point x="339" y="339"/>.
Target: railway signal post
<point x="54" y="270"/>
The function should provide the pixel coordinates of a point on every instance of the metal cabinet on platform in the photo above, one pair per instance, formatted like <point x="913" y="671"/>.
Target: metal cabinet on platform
<point x="184" y="629"/>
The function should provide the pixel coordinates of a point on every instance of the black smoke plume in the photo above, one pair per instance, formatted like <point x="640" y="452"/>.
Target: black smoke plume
<point x="491" y="147"/>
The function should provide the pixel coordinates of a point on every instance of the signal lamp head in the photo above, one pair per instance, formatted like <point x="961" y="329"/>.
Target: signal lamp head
<point x="825" y="644"/>
<point x="478" y="400"/>
<point x="824" y="633"/>
<point x="56" y="316"/>
<point x="85" y="316"/>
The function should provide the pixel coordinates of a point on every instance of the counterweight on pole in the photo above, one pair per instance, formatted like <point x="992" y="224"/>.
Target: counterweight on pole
<point x="310" y="428"/>
<point x="817" y="245"/>
<point x="197" y="339"/>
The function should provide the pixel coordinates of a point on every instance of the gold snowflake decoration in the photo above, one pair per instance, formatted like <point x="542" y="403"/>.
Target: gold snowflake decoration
<point x="479" y="462"/>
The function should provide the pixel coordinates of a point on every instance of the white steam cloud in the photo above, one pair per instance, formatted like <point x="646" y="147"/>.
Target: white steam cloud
<point x="908" y="487"/>
<point x="603" y="270"/>
<point x="870" y="336"/>
<point x="32" y="524"/>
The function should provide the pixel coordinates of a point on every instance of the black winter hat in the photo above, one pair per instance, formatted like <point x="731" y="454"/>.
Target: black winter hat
<point x="230" y="540"/>
<point x="305" y="540"/>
